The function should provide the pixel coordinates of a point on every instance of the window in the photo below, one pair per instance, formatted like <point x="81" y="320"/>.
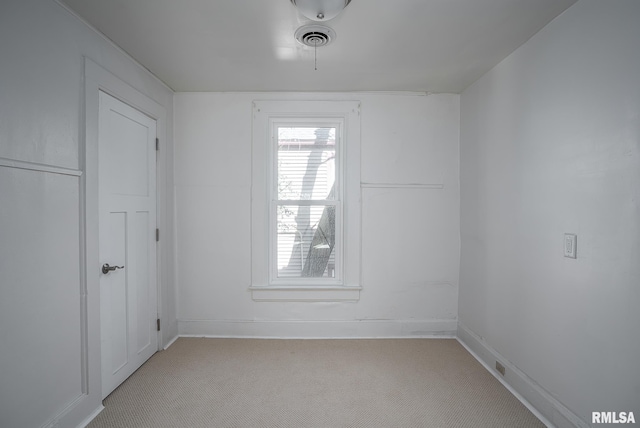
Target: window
<point x="306" y="192"/>
<point x="305" y="200"/>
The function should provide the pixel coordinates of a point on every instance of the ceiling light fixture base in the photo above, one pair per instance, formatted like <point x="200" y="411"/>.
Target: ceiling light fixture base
<point x="320" y="10"/>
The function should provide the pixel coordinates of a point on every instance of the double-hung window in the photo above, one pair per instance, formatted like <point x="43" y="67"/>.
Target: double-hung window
<point x="306" y="200"/>
<point x="306" y="192"/>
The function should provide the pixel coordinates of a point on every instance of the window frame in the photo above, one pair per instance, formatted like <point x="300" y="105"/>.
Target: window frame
<point x="265" y="285"/>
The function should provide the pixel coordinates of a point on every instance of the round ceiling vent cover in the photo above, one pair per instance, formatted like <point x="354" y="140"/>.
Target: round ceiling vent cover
<point x="315" y="35"/>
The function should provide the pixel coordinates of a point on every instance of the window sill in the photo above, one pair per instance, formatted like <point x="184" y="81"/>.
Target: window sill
<point x="309" y="293"/>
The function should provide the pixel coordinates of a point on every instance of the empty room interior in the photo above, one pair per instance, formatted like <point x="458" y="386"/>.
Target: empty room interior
<point x="445" y="185"/>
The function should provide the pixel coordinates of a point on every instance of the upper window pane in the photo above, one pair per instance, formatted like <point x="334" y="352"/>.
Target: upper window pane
<point x="306" y="163"/>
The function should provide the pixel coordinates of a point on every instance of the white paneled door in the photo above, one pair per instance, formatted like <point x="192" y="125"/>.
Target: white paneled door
<point x="128" y="292"/>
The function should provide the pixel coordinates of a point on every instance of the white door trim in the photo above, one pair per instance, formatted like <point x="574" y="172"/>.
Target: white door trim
<point x="99" y="79"/>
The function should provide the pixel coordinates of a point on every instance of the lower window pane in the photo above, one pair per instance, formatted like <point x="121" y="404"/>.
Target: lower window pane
<point x="305" y="241"/>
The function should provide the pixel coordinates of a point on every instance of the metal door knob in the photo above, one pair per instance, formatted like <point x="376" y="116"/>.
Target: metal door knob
<point x="106" y="268"/>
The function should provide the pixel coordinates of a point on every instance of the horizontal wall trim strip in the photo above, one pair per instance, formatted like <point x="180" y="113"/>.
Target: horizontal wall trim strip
<point x="319" y="329"/>
<point x="541" y="403"/>
<point x="435" y="186"/>
<point x="32" y="166"/>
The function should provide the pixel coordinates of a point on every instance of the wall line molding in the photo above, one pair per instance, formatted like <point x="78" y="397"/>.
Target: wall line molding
<point x="319" y="329"/>
<point x="436" y="186"/>
<point x="39" y="167"/>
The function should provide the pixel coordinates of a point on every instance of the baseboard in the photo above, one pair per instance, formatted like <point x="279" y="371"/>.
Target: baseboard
<point x="91" y="417"/>
<point x="170" y="342"/>
<point x="76" y="410"/>
<point x="548" y="409"/>
<point x="297" y="329"/>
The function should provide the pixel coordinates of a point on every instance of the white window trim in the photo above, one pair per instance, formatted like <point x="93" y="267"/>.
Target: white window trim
<point x="263" y="286"/>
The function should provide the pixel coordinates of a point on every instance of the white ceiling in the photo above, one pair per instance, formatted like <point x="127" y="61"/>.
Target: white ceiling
<point x="249" y="45"/>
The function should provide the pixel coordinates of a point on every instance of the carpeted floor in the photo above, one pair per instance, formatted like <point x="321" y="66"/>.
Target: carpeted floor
<point x="201" y="382"/>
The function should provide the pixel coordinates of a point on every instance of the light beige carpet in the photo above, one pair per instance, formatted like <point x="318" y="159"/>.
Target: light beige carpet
<point x="313" y="383"/>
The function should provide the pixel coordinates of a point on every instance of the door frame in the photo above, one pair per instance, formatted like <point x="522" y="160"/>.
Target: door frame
<point x="99" y="79"/>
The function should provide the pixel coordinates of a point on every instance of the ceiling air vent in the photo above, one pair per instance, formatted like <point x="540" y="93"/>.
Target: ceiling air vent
<point x="315" y="36"/>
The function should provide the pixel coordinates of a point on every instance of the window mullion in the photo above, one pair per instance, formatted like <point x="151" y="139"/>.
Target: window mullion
<point x="305" y="202"/>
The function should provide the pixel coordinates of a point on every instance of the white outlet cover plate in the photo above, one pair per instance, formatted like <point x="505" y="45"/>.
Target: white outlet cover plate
<point x="570" y="241"/>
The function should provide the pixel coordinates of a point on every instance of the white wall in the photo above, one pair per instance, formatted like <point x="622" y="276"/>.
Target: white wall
<point x="410" y="237"/>
<point x="550" y="144"/>
<point x="42" y="379"/>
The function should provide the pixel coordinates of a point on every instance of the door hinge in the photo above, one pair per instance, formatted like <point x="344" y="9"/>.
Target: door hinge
<point x="157" y="235"/>
<point x="157" y="144"/>
<point x="158" y="323"/>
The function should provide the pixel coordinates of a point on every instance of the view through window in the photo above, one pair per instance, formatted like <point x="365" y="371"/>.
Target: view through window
<point x="307" y="201"/>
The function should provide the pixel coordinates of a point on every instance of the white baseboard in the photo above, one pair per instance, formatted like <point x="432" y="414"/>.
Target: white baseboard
<point x="91" y="417"/>
<point x="296" y="329"/>
<point x="170" y="343"/>
<point x="548" y="409"/>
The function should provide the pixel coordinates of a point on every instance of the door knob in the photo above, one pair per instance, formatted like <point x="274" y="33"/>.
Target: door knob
<point x="106" y="268"/>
